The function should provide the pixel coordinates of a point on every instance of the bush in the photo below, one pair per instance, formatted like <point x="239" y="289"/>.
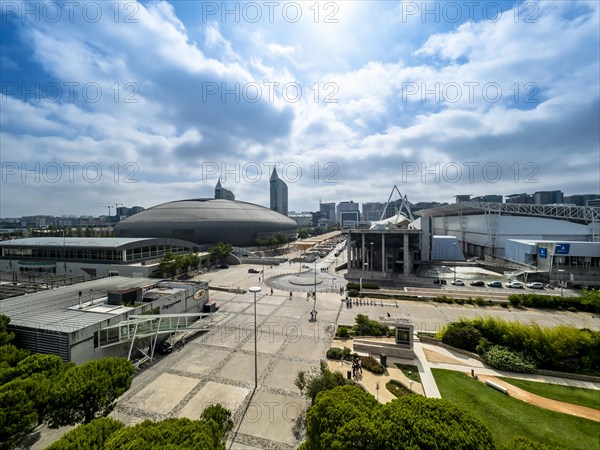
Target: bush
<point x="369" y="363"/>
<point x="367" y="285"/>
<point x="339" y="353"/>
<point x="521" y="443"/>
<point x="367" y="327"/>
<point x="461" y="335"/>
<point x="502" y="358"/>
<point x="353" y="293"/>
<point x="562" y="348"/>
<point x="343" y="331"/>
<point x="588" y="301"/>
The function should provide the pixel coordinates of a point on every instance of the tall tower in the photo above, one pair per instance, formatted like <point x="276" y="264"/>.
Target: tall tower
<point x="279" y="194"/>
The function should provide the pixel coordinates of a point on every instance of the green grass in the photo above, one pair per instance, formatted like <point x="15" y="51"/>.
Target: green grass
<point x="409" y="371"/>
<point x="507" y="417"/>
<point x="568" y="394"/>
<point x="397" y="389"/>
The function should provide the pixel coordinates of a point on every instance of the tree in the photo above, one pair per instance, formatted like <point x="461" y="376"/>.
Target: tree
<point x="82" y="393"/>
<point x="92" y="435"/>
<point x="303" y="233"/>
<point x="171" y="433"/>
<point x="220" y="251"/>
<point x="17" y="415"/>
<point x="220" y="415"/>
<point x="310" y="384"/>
<point x="168" y="264"/>
<point x="347" y="417"/>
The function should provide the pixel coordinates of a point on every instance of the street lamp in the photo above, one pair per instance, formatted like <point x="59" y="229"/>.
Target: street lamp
<point x="314" y="310"/>
<point x="255" y="290"/>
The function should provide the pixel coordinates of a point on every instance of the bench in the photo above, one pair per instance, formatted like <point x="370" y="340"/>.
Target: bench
<point x="497" y="387"/>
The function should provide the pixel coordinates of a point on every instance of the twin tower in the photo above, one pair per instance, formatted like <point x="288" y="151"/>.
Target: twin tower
<point x="277" y="188"/>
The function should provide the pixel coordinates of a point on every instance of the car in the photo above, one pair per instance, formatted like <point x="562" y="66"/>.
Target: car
<point x="477" y="283"/>
<point x="495" y="283"/>
<point x="514" y="285"/>
<point x="457" y="282"/>
<point x="535" y="285"/>
<point x="164" y="347"/>
<point x="253" y="270"/>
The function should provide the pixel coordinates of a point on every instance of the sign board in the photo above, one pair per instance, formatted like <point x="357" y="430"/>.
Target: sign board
<point x="543" y="252"/>
<point x="562" y="249"/>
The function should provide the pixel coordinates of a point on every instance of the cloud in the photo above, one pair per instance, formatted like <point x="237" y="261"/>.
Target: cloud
<point x="376" y="100"/>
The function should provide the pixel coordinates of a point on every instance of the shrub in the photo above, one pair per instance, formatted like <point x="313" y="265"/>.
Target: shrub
<point x="480" y="301"/>
<point x="343" y="331"/>
<point x="367" y="285"/>
<point x="353" y="293"/>
<point x="369" y="363"/>
<point x="310" y="384"/>
<point x="461" y="335"/>
<point x="563" y="348"/>
<point x="502" y="358"/>
<point x="521" y="443"/>
<point x="339" y="353"/>
<point x="367" y="327"/>
<point x="587" y="301"/>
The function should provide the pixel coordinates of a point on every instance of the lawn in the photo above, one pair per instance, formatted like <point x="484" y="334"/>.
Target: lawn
<point x="507" y="417"/>
<point x="409" y="371"/>
<point x="568" y="394"/>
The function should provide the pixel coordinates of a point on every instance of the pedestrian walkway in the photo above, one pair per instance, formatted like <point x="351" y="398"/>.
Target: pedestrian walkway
<point x="543" y="402"/>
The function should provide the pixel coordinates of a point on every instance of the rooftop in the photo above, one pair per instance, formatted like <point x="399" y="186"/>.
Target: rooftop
<point x="58" y="309"/>
<point x="76" y="242"/>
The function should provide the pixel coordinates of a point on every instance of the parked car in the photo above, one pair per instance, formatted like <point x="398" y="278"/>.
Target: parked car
<point x="535" y="285"/>
<point x="477" y="283"/>
<point x="514" y="285"/>
<point x="253" y="270"/>
<point x="495" y="283"/>
<point x="164" y="347"/>
<point x="458" y="282"/>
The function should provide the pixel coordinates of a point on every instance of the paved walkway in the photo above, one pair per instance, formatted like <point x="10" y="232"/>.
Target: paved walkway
<point x="543" y="402"/>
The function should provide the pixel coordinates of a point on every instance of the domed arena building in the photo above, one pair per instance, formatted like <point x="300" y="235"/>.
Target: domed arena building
<point x="208" y="221"/>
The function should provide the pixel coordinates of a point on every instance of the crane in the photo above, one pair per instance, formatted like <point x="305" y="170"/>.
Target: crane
<point x="109" y="207"/>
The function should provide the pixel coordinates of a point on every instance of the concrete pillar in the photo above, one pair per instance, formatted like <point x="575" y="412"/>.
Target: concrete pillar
<point x="406" y="255"/>
<point x="349" y="249"/>
<point x="383" y="257"/>
<point x="362" y="254"/>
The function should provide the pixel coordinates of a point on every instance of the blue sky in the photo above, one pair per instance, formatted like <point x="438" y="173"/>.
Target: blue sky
<point x="145" y="102"/>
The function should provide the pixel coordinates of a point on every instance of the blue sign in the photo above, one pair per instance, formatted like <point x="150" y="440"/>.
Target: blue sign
<point x="562" y="249"/>
<point x="543" y="252"/>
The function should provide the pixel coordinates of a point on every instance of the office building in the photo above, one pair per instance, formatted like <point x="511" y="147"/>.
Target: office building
<point x="279" y="194"/>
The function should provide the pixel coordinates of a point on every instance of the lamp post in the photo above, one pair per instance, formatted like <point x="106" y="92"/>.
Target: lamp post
<point x="314" y="310"/>
<point x="255" y="290"/>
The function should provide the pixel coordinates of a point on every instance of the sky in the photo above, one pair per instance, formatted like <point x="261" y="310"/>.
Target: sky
<point x="141" y="103"/>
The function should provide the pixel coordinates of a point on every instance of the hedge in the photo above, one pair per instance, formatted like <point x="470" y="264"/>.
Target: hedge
<point x="356" y="286"/>
<point x="588" y="301"/>
<point x="563" y="348"/>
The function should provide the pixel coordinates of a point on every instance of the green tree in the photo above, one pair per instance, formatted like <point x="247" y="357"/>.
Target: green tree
<point x="17" y="415"/>
<point x="82" y="393"/>
<point x="173" y="434"/>
<point x="347" y="417"/>
<point x="221" y="415"/>
<point x="310" y="384"/>
<point x="220" y="251"/>
<point x="303" y="233"/>
<point x="89" y="436"/>
<point x="168" y="264"/>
